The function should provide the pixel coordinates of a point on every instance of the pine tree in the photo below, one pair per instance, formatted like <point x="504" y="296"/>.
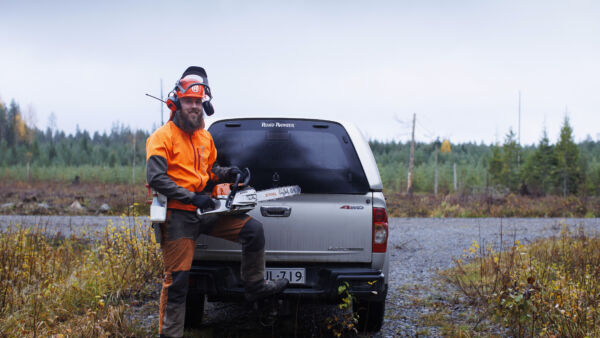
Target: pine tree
<point x="51" y="153"/>
<point x="3" y="121"/>
<point x="595" y="181"/>
<point x="584" y="175"/>
<point x="495" y="165"/>
<point x="510" y="162"/>
<point x="539" y="171"/>
<point x="12" y="116"/>
<point x="35" y="150"/>
<point x="567" y="157"/>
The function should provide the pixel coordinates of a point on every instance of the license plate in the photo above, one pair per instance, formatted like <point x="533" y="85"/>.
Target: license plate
<point x="294" y="275"/>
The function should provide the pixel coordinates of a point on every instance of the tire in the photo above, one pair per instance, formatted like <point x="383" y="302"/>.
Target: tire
<point x="194" y="310"/>
<point x="370" y="315"/>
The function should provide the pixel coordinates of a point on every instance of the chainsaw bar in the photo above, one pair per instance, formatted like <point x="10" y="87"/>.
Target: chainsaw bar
<point x="246" y="199"/>
<point x="277" y="193"/>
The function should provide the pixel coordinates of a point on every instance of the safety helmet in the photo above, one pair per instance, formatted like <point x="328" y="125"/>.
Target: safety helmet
<point x="193" y="83"/>
<point x="191" y="86"/>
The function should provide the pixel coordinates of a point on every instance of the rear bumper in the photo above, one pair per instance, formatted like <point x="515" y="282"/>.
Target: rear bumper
<point x="221" y="282"/>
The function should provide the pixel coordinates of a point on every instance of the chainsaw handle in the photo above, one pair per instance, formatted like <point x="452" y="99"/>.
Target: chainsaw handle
<point x="247" y="179"/>
<point x="235" y="186"/>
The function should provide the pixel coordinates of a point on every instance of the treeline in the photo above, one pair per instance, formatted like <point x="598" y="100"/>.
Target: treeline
<point x="23" y="144"/>
<point x="547" y="168"/>
<point x="470" y="158"/>
<point x="560" y="168"/>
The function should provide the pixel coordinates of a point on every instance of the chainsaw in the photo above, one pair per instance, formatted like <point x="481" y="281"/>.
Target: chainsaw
<point x="229" y="199"/>
<point x="239" y="197"/>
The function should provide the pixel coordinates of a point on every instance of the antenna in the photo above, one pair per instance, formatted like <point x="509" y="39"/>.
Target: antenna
<point x="154" y="97"/>
<point x="161" y="106"/>
<point x="519" y="117"/>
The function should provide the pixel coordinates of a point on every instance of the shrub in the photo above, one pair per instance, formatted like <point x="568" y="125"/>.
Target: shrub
<point x="79" y="285"/>
<point x="548" y="288"/>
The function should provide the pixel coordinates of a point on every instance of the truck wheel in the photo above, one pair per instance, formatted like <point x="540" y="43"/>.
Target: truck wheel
<point x="370" y="315"/>
<point x="194" y="310"/>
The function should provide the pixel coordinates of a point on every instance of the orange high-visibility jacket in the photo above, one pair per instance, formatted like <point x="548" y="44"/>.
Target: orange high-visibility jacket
<point x="174" y="156"/>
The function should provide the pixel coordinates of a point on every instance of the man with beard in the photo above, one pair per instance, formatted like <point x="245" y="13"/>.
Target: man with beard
<point x="180" y="163"/>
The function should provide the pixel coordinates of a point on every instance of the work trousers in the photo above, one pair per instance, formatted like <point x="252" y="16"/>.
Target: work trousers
<point x="178" y="237"/>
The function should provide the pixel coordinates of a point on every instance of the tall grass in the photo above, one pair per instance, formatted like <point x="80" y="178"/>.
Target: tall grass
<point x="81" y="285"/>
<point x="482" y="205"/>
<point x="86" y="173"/>
<point x="548" y="288"/>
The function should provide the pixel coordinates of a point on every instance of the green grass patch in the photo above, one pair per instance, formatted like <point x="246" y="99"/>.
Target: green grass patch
<point x="85" y="173"/>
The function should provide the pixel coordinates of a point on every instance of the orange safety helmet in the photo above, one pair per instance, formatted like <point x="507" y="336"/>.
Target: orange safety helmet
<point x="190" y="86"/>
<point x="193" y="83"/>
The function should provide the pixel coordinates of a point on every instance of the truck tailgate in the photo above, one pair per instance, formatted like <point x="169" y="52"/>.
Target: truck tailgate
<point x="320" y="228"/>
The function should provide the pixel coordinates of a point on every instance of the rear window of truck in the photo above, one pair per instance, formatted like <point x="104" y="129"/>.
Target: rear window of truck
<point x="318" y="156"/>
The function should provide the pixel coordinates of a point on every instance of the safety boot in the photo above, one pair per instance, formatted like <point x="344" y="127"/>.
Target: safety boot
<point x="252" y="272"/>
<point x="264" y="288"/>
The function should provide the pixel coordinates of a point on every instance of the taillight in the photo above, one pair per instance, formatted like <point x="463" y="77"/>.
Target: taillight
<point x="380" y="230"/>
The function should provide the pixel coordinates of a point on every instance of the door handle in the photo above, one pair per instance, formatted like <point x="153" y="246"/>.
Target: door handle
<point x="271" y="211"/>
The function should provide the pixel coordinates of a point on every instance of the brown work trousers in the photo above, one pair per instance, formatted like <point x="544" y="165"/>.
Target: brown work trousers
<point x="178" y="237"/>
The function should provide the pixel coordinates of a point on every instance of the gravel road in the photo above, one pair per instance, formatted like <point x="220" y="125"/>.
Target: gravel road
<point x="418" y="247"/>
<point x="68" y="225"/>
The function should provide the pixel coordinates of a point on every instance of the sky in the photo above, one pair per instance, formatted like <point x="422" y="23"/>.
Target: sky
<point x="458" y="65"/>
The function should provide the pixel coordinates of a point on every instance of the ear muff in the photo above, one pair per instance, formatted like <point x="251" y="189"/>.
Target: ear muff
<point x="208" y="108"/>
<point x="207" y="105"/>
<point x="173" y="102"/>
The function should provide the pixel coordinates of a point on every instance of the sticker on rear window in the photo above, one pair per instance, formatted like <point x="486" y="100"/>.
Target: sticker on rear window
<point x="277" y="125"/>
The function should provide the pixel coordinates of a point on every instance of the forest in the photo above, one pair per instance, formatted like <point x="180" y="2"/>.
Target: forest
<point x="551" y="167"/>
<point x="562" y="167"/>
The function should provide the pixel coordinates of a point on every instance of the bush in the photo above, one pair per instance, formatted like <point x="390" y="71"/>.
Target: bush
<point x="549" y="288"/>
<point x="80" y="285"/>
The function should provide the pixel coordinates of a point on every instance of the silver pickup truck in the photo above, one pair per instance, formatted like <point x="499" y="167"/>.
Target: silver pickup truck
<point x="335" y="232"/>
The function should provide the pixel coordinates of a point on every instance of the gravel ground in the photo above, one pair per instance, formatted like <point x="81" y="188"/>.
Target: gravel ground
<point x="68" y="225"/>
<point x="418" y="247"/>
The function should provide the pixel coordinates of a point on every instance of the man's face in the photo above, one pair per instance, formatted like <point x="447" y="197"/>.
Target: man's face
<point x="191" y="113"/>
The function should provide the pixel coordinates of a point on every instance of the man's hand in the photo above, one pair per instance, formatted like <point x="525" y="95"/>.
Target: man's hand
<point x="203" y="202"/>
<point x="232" y="173"/>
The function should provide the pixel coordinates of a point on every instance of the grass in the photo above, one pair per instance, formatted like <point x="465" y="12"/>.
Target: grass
<point x="107" y="284"/>
<point x="81" y="285"/>
<point x="85" y="173"/>
<point x="110" y="185"/>
<point x="481" y="205"/>
<point x="550" y="287"/>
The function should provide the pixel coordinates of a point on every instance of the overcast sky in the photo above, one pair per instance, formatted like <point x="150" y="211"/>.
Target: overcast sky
<point x="458" y="65"/>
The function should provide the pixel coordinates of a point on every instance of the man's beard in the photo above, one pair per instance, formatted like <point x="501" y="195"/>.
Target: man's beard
<point x="187" y="124"/>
